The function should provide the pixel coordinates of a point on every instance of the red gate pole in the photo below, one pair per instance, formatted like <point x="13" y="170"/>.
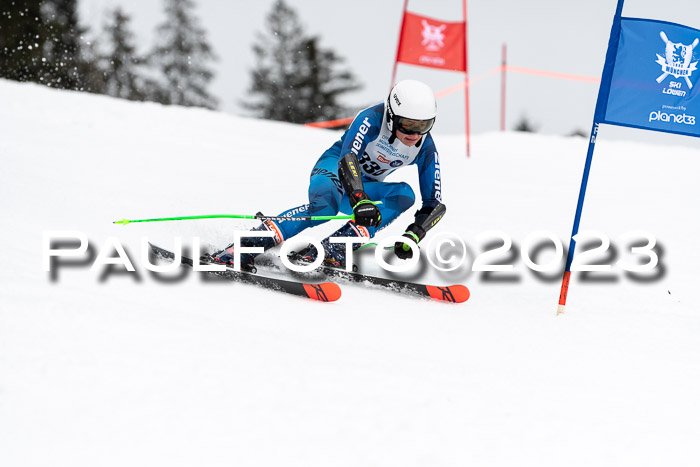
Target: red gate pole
<point x="504" y="63"/>
<point x="466" y="73"/>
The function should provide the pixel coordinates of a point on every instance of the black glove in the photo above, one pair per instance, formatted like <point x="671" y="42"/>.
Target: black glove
<point x="416" y="233"/>
<point x="366" y="213"/>
<point x="426" y="218"/>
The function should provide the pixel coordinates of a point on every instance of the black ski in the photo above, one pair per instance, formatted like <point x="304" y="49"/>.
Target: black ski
<point x="324" y="292"/>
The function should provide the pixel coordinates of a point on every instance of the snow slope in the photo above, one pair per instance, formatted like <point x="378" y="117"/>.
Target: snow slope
<point x="114" y="369"/>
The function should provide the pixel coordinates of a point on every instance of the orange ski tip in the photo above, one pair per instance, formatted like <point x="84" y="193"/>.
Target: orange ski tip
<point x="453" y="293"/>
<point x="461" y="293"/>
<point x="332" y="291"/>
<point x="325" y="292"/>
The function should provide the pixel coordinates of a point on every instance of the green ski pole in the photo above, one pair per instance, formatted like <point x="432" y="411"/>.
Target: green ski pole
<point x="258" y="216"/>
<point x="236" y="216"/>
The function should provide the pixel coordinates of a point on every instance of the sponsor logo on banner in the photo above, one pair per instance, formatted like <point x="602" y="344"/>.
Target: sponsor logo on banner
<point x="670" y="117"/>
<point x="433" y="36"/>
<point x="433" y="41"/>
<point x="678" y="63"/>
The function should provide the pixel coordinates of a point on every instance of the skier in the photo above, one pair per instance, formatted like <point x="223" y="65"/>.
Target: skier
<point x="349" y="176"/>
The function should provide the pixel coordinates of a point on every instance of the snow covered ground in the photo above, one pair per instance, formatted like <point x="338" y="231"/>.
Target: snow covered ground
<point x="112" y="368"/>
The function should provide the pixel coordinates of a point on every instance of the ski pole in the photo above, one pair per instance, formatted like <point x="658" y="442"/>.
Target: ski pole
<point x="237" y="216"/>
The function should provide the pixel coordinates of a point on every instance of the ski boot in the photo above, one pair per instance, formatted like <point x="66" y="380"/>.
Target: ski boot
<point x="334" y="252"/>
<point x="226" y="256"/>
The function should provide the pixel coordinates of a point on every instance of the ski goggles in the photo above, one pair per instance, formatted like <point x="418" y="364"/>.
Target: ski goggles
<point x="414" y="127"/>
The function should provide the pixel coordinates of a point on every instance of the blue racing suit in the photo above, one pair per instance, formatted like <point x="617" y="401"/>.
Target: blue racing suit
<point x="368" y="137"/>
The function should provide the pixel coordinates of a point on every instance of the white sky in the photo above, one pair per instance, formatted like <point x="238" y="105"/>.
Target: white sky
<point x="568" y="36"/>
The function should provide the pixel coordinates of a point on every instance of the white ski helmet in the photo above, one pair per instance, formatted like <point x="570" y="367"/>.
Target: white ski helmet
<point x="410" y="108"/>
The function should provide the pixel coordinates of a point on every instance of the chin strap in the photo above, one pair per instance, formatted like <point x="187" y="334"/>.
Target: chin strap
<point x="390" y="121"/>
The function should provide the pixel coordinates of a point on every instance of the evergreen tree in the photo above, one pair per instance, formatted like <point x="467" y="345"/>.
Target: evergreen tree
<point x="122" y="77"/>
<point x="89" y="68"/>
<point x="41" y="41"/>
<point x="65" y="65"/>
<point x="181" y="55"/>
<point x="295" y="80"/>
<point x="22" y="37"/>
<point x="320" y="84"/>
<point x="579" y="132"/>
<point x="524" y="124"/>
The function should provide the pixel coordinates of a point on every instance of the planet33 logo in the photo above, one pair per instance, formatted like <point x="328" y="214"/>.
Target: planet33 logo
<point x="661" y="116"/>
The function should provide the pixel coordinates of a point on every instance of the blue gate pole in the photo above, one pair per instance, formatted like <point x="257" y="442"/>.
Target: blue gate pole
<point x="577" y="219"/>
<point x="598" y="118"/>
